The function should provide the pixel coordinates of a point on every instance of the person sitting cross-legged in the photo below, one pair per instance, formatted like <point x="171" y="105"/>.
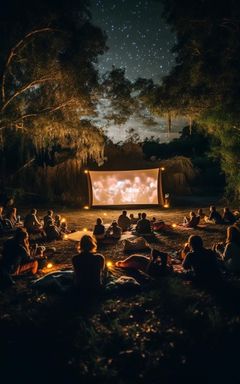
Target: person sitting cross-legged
<point x="88" y="266"/>
<point x="201" y="261"/>
<point x="124" y="222"/>
<point x="114" y="232"/>
<point x="214" y="216"/>
<point x="143" y="225"/>
<point x="228" y="216"/>
<point x="192" y="221"/>
<point x="99" y="229"/>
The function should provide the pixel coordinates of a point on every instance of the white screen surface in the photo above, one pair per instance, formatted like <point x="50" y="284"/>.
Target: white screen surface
<point x="124" y="187"/>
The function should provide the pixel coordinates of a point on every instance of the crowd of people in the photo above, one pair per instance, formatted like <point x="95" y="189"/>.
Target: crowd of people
<point x="19" y="255"/>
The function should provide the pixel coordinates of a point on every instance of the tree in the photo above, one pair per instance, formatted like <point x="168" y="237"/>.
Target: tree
<point x="207" y="72"/>
<point x="48" y="77"/>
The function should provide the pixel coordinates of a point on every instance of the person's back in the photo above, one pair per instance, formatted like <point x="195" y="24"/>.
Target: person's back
<point x="193" y="222"/>
<point x="88" y="269"/>
<point x="215" y="216"/>
<point x="124" y="222"/>
<point x="202" y="261"/>
<point x="228" y="217"/>
<point x="52" y="231"/>
<point x="143" y="225"/>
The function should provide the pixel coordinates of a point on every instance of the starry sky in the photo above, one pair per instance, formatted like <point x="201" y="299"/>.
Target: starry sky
<point x="139" y="40"/>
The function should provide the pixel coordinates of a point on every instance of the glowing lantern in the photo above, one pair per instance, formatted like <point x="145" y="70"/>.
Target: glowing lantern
<point x="49" y="265"/>
<point x="109" y="264"/>
<point x="166" y="206"/>
<point x="162" y="169"/>
<point x="104" y="214"/>
<point x="174" y="225"/>
<point x="85" y="229"/>
<point x="86" y="207"/>
<point x="63" y="220"/>
<point x="86" y="171"/>
<point x="65" y="237"/>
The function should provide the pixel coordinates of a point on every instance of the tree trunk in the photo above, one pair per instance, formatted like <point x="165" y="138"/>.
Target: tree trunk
<point x="169" y="123"/>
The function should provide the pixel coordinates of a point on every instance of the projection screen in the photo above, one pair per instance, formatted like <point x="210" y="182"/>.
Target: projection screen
<point x="137" y="187"/>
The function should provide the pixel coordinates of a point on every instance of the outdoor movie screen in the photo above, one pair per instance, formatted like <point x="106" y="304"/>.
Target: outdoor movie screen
<point x="139" y="187"/>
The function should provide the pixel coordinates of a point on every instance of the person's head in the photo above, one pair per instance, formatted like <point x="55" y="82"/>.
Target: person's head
<point x="114" y="223"/>
<point x="154" y="218"/>
<point x="233" y="235"/>
<point x="212" y="208"/>
<point x="34" y="211"/>
<point x="99" y="221"/>
<point x="200" y="211"/>
<point x="50" y="212"/>
<point x="88" y="244"/>
<point x="139" y="215"/>
<point x="124" y="213"/>
<point x="131" y="216"/>
<point x="192" y="214"/>
<point x="57" y="217"/>
<point x="144" y="215"/>
<point x="195" y="242"/>
<point x="225" y="209"/>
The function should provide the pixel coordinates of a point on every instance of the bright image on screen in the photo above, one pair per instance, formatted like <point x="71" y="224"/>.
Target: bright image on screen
<point x="125" y="187"/>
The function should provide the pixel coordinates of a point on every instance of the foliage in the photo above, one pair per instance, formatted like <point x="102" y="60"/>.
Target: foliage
<point x="206" y="76"/>
<point x="48" y="77"/>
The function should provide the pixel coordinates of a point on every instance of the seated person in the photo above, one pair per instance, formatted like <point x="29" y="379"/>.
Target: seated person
<point x="32" y="223"/>
<point x="192" y="221"/>
<point x="47" y="217"/>
<point x="200" y="213"/>
<point x="124" y="222"/>
<point x="214" y="216"/>
<point x="88" y="266"/>
<point x="154" y="265"/>
<point x="230" y="251"/>
<point x="133" y="220"/>
<point x="52" y="231"/>
<point x="202" y="261"/>
<point x="16" y="255"/>
<point x="99" y="229"/>
<point x="228" y="216"/>
<point x="143" y="225"/>
<point x="61" y="224"/>
<point x="114" y="231"/>
<point x="11" y="216"/>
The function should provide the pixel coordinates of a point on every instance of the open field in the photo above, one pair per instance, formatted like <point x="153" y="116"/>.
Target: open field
<point x="168" y="331"/>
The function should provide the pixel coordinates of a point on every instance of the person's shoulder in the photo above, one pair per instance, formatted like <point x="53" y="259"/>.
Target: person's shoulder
<point x="99" y="256"/>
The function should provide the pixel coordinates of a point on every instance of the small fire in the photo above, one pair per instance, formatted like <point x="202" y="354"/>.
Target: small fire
<point x="104" y="214"/>
<point x="65" y="237"/>
<point x="86" y="207"/>
<point x="109" y="264"/>
<point x="166" y="206"/>
<point x="174" y="225"/>
<point x="85" y="229"/>
<point x="63" y="220"/>
<point x="49" y="265"/>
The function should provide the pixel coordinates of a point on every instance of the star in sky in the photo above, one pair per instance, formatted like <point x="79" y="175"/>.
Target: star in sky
<point x="139" y="40"/>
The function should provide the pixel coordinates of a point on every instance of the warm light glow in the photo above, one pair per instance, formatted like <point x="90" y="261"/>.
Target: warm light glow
<point x="109" y="264"/>
<point x="174" y="225"/>
<point x="65" y="237"/>
<point x="166" y="206"/>
<point x="162" y="169"/>
<point x="63" y="220"/>
<point x="49" y="265"/>
<point x="104" y="214"/>
<point x="85" y="229"/>
<point x="86" y="171"/>
<point x="86" y="207"/>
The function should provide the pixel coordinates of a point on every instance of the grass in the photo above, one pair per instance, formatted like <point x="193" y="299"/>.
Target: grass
<point x="169" y="332"/>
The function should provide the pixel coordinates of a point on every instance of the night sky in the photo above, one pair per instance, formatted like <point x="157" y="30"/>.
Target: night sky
<point x="138" y="38"/>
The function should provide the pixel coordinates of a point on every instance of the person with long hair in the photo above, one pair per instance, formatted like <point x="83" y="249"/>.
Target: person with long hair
<point x="99" y="229"/>
<point x="88" y="266"/>
<point x="230" y="252"/>
<point x="16" y="255"/>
